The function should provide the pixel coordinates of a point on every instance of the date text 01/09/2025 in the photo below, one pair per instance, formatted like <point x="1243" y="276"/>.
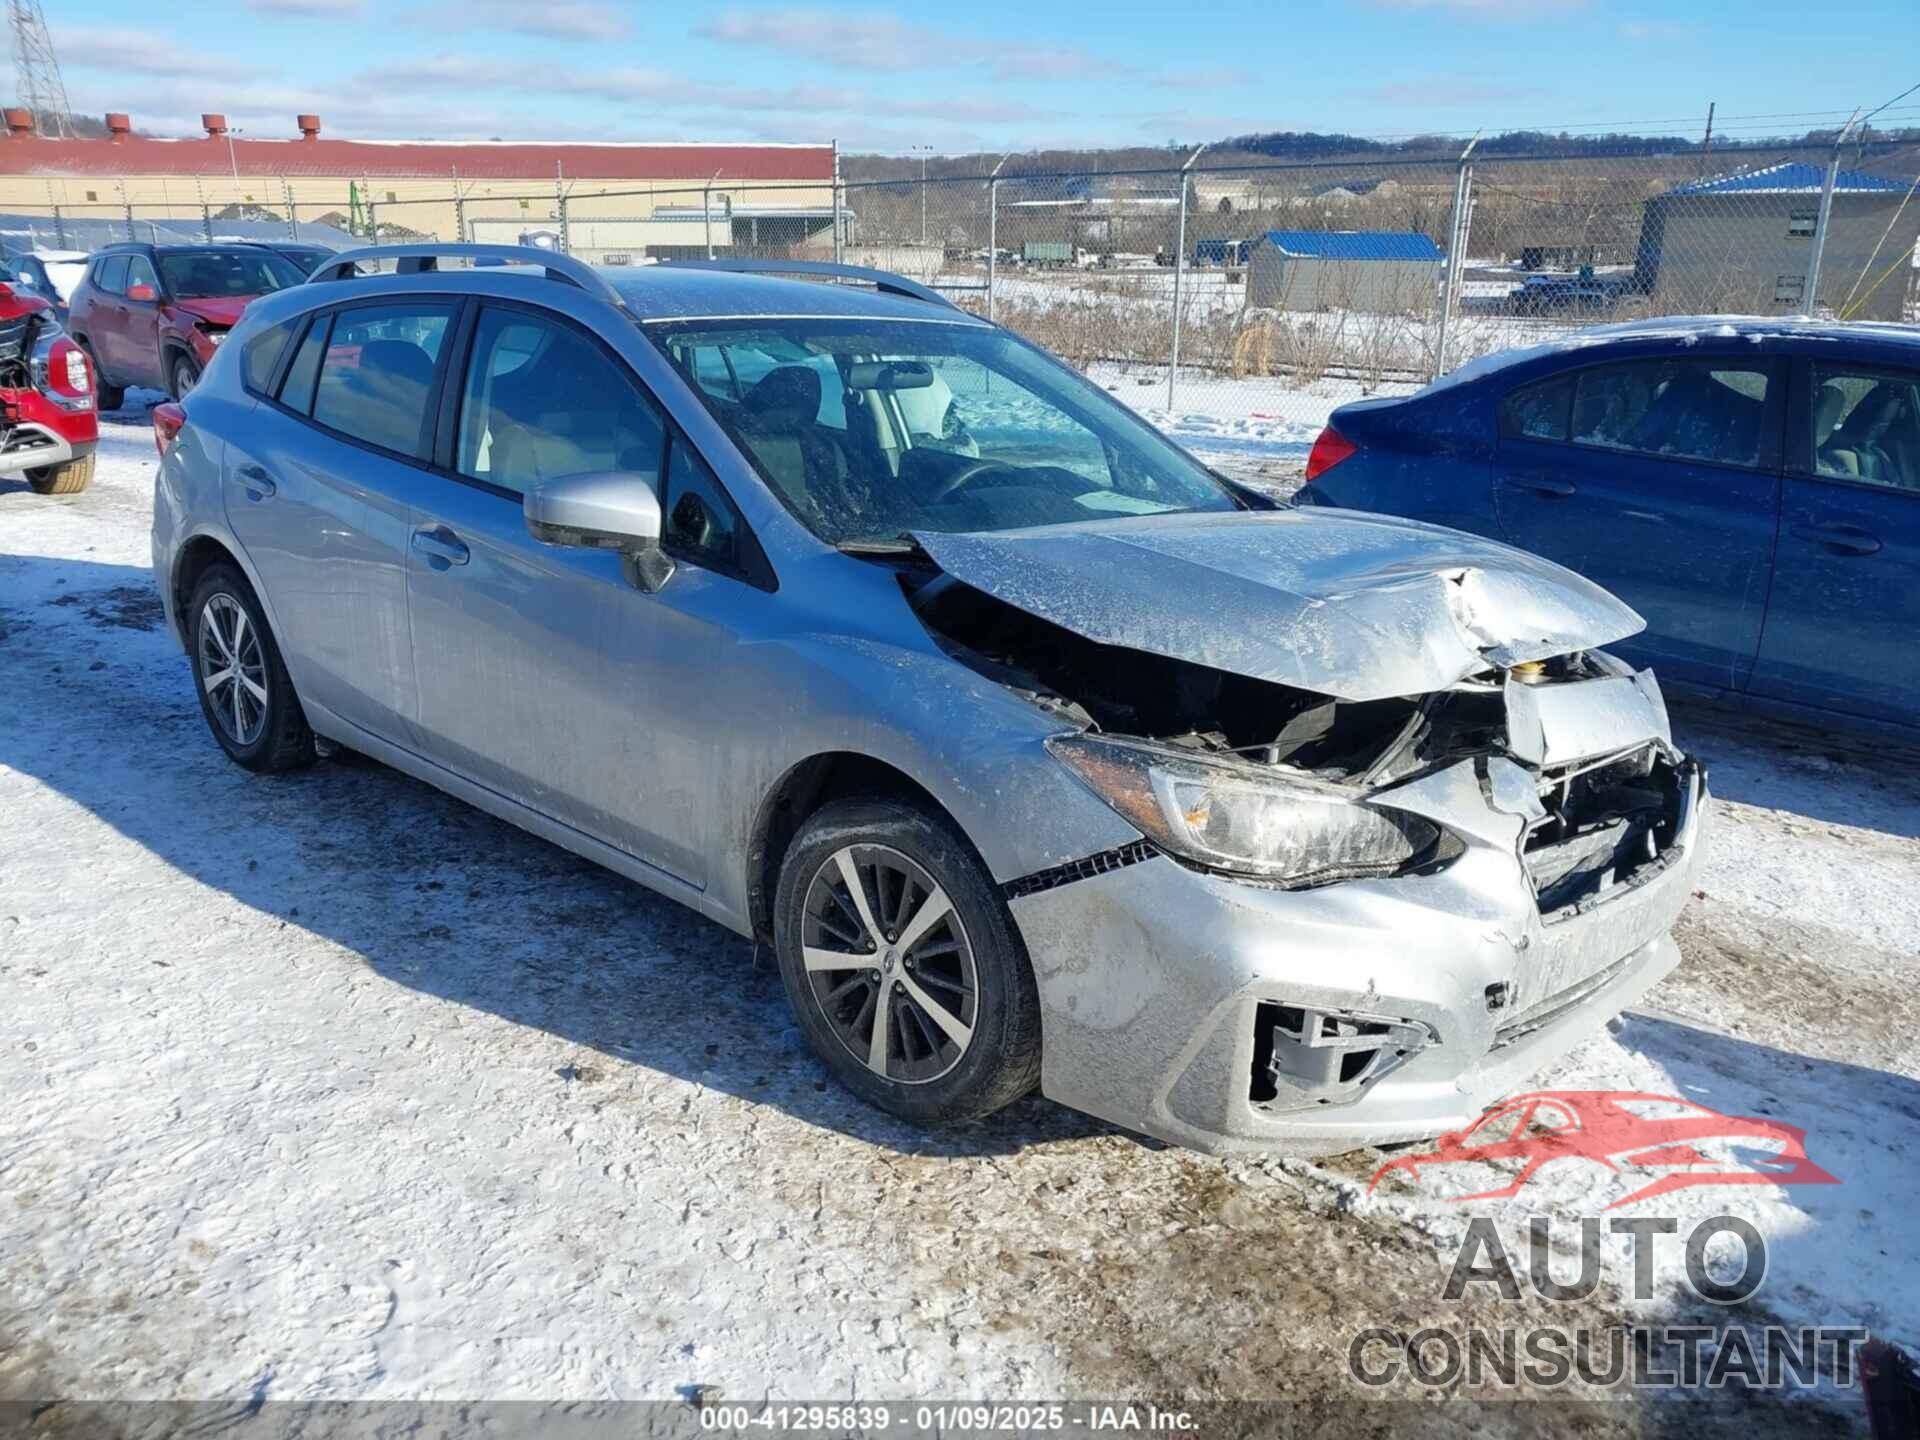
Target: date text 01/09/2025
<point x="963" y="1418"/>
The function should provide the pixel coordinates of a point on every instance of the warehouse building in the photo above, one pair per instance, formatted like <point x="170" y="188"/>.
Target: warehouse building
<point x="626" y="201"/>
<point x="1743" y="244"/>
<point x="1381" y="271"/>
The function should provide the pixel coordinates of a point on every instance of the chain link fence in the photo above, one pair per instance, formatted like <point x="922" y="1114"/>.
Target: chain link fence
<point x="1236" y="304"/>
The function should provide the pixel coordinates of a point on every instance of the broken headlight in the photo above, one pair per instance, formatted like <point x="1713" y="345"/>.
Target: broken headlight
<point x="1252" y="820"/>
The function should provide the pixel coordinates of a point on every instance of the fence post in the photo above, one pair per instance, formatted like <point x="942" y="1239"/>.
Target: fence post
<point x="1456" y="242"/>
<point x="993" y="229"/>
<point x="373" y="221"/>
<point x="459" y="209"/>
<point x="706" y="214"/>
<point x="1179" y="271"/>
<point x="127" y="205"/>
<point x="293" y="218"/>
<point x="838" y="198"/>
<point x="1810" y="301"/>
<point x="59" y="228"/>
<point x="560" y="205"/>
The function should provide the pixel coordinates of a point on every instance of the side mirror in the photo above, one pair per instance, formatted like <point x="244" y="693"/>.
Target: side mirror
<point x="603" y="510"/>
<point x="144" y="294"/>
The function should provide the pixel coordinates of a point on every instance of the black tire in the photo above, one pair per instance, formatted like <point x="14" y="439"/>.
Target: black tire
<point x="183" y="373"/>
<point x="282" y="740"/>
<point x="1001" y="1061"/>
<point x="105" y="396"/>
<point x="68" y="479"/>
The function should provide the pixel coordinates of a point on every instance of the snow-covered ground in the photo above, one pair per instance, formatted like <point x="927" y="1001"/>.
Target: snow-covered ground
<point x="328" y="1086"/>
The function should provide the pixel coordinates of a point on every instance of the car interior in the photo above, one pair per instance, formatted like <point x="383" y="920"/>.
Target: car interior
<point x="868" y="443"/>
<point x="1867" y="428"/>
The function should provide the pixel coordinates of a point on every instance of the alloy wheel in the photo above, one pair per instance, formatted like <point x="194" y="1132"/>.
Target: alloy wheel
<point x="890" y="964"/>
<point x="233" y="670"/>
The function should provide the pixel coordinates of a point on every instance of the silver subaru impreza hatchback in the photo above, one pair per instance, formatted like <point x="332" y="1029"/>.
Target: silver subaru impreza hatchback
<point x="1042" y="755"/>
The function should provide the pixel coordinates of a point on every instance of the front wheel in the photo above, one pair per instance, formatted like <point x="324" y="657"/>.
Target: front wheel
<point x="245" y="692"/>
<point x="183" y="373"/>
<point x="105" y="396"/>
<point x="69" y="478"/>
<point x="903" y="965"/>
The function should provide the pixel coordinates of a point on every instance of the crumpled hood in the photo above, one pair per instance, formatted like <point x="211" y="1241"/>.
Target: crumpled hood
<point x="1355" y="606"/>
<point x="218" y="310"/>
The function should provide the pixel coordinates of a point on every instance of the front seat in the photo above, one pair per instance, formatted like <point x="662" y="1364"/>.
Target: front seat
<point x="779" y="423"/>
<point x="1831" y="459"/>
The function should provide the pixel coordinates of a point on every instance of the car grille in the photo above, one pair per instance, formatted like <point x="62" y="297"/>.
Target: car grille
<point x="1605" y="825"/>
<point x="14" y="336"/>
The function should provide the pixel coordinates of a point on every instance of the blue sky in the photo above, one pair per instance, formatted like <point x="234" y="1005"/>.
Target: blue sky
<point x="990" y="74"/>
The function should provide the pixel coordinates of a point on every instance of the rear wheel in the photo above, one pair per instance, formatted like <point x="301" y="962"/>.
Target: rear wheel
<point x="107" y="397"/>
<point x="67" y="479"/>
<point x="183" y="373"/>
<point x="245" y="692"/>
<point x="903" y="965"/>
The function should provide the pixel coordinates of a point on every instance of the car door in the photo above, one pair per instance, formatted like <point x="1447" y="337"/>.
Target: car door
<point x="320" y="480"/>
<point x="543" y="671"/>
<point x="1845" y="611"/>
<point x="138" y="336"/>
<point x="106" y="315"/>
<point x="1658" y="479"/>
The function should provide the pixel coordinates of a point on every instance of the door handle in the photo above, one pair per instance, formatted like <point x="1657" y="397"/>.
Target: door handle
<point x="1844" y="539"/>
<point x="441" y="547"/>
<point x="257" y="483"/>
<point x="1542" y="485"/>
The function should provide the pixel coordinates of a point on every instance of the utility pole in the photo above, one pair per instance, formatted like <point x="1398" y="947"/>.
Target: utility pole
<point x="36" y="69"/>
<point x="1810" y="300"/>
<point x="1706" y="145"/>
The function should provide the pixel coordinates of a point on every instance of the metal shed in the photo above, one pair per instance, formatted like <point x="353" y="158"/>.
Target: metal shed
<point x="1374" y="270"/>
<point x="1743" y="244"/>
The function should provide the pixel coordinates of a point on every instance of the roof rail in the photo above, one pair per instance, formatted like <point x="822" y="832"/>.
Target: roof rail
<point x="884" y="281"/>
<point x="425" y="256"/>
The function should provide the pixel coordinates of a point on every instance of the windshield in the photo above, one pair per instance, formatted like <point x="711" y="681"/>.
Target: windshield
<point x="868" y="429"/>
<point x="211" y="274"/>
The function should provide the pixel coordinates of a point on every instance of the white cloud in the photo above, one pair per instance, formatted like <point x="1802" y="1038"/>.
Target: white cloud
<point x="873" y="41"/>
<point x="580" y="20"/>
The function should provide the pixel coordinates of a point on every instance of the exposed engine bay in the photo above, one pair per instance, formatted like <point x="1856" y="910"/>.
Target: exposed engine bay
<point x="1594" y="824"/>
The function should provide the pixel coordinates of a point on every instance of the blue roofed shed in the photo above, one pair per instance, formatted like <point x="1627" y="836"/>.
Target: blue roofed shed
<point x="1373" y="270"/>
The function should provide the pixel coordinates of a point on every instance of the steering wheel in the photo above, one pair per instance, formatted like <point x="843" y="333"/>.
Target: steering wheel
<point x="966" y="475"/>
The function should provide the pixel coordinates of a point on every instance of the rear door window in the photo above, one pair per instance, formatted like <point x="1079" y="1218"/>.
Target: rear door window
<point x="1541" y="411"/>
<point x="296" y="391"/>
<point x="377" y="375"/>
<point x="1711" y="410"/>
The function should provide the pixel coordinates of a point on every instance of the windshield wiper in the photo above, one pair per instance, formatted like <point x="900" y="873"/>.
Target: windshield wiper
<point x="900" y="544"/>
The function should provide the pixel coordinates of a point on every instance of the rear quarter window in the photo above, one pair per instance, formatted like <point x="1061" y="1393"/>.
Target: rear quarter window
<point x="262" y="357"/>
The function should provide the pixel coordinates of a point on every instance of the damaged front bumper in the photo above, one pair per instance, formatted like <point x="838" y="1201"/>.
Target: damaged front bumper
<point x="1228" y="1015"/>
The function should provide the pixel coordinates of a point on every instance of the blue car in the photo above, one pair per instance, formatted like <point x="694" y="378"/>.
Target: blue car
<point x="1752" y="487"/>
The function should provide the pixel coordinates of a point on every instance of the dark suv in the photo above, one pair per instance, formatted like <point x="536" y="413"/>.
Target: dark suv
<point x="151" y="315"/>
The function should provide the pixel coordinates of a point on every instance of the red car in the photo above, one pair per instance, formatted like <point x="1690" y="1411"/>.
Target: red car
<point x="48" y="424"/>
<point x="151" y="315"/>
<point x="1623" y="1130"/>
